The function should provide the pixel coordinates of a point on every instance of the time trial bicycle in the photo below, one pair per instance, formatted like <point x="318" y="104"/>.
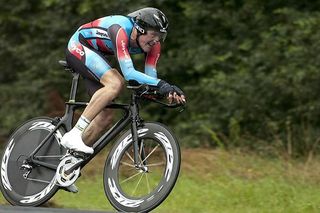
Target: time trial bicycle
<point x="140" y="171"/>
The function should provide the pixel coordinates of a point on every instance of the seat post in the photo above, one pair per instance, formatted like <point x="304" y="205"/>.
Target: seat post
<point x="74" y="87"/>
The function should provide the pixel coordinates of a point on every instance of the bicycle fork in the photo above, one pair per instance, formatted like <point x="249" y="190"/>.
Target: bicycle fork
<point x="138" y="149"/>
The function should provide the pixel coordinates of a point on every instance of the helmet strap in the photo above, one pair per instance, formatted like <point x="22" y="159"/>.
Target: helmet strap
<point x="140" y="32"/>
<point x="138" y="35"/>
<point x="139" y="29"/>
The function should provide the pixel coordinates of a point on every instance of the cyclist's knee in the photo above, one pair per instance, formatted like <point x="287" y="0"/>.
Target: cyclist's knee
<point x="113" y="80"/>
<point x="118" y="81"/>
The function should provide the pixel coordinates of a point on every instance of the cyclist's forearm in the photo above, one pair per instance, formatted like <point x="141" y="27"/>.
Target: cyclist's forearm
<point x="132" y="74"/>
<point x="151" y="71"/>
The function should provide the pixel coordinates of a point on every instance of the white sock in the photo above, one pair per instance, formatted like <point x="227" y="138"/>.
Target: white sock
<point x="82" y="124"/>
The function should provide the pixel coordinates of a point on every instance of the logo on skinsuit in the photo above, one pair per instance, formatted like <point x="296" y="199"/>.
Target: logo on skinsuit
<point x="102" y="33"/>
<point x="76" y="49"/>
<point x="124" y="49"/>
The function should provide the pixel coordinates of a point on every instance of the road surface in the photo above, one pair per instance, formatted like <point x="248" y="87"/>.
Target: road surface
<point x="19" y="209"/>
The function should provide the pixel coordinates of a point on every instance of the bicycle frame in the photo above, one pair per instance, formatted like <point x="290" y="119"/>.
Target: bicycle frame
<point x="131" y="115"/>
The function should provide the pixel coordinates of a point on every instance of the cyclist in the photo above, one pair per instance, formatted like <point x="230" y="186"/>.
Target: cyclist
<point x="140" y="32"/>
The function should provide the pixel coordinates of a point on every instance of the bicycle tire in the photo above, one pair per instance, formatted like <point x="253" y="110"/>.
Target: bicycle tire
<point x="30" y="191"/>
<point x="117" y="195"/>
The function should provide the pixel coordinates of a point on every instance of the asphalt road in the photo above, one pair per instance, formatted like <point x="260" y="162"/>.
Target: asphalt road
<point x="19" y="209"/>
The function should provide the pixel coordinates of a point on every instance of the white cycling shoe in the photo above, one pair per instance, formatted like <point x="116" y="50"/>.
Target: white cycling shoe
<point x="72" y="140"/>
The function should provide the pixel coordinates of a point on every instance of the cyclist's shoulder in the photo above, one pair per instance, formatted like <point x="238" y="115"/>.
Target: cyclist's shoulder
<point x="123" y="21"/>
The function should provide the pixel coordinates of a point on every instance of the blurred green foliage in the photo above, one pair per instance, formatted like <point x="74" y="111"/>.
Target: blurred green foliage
<point x="249" y="68"/>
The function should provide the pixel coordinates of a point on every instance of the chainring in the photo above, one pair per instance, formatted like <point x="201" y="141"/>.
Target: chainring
<point x="62" y="177"/>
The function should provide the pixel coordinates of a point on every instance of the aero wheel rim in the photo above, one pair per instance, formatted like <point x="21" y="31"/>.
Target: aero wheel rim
<point x="128" y="198"/>
<point x="141" y="181"/>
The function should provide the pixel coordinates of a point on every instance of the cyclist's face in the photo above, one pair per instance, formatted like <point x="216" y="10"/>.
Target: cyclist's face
<point x="148" y="40"/>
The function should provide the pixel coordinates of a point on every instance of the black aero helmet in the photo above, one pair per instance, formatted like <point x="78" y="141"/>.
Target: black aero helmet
<point x="150" y="18"/>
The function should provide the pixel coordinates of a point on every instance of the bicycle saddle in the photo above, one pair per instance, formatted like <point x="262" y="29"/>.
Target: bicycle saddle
<point x="64" y="64"/>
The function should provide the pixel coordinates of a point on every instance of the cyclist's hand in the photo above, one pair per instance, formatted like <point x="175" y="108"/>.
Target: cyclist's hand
<point x="174" y="97"/>
<point x="173" y="93"/>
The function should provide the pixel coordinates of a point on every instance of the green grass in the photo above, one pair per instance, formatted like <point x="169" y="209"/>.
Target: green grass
<point x="218" y="181"/>
<point x="234" y="195"/>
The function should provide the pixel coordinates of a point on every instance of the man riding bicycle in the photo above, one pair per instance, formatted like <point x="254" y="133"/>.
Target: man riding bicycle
<point x="140" y="32"/>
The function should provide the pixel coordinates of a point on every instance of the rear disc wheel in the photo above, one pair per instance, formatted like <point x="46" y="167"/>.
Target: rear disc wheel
<point x="25" y="184"/>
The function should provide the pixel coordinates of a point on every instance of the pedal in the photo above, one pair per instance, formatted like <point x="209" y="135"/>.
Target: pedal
<point x="72" y="188"/>
<point x="77" y="154"/>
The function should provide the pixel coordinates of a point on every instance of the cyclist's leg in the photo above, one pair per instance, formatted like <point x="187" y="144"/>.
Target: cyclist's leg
<point x="101" y="122"/>
<point x="91" y="65"/>
<point x="112" y="83"/>
<point x="104" y="118"/>
<point x="98" y="126"/>
<point x="102" y="97"/>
